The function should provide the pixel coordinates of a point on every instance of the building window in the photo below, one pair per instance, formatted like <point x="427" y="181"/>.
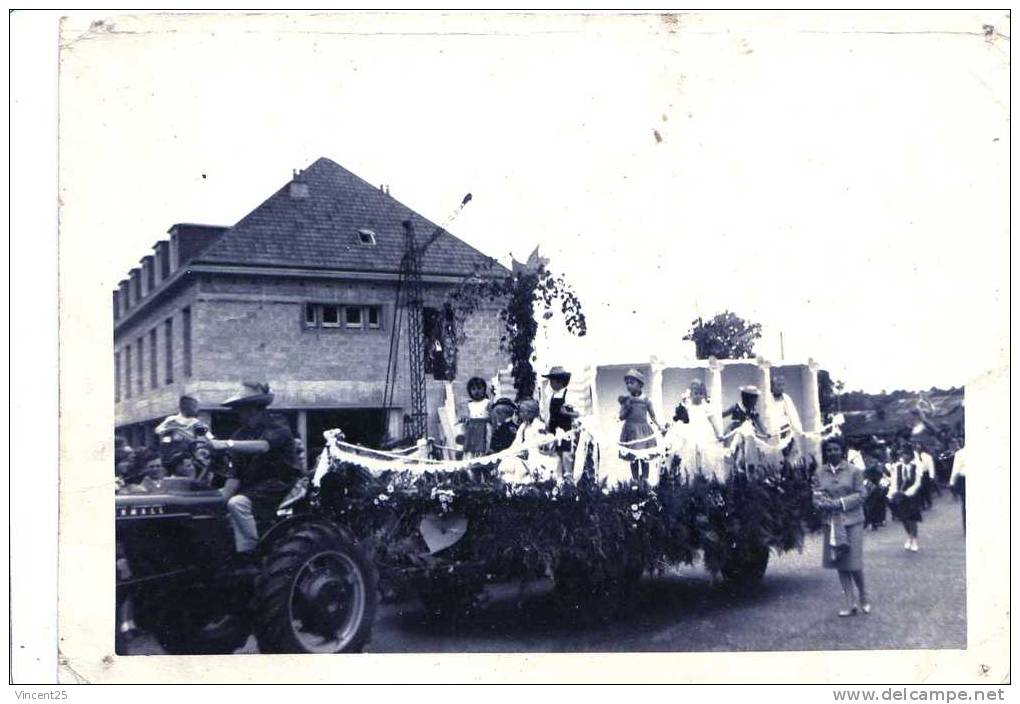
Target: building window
<point x="127" y="372"/>
<point x="153" y="366"/>
<point x="116" y="376"/>
<point x="186" y="339"/>
<point x="352" y="317"/>
<point x="168" y="346"/>
<point x="366" y="236"/>
<point x="330" y="316"/>
<point x="140" y="346"/>
<point x="440" y="342"/>
<point x="312" y="315"/>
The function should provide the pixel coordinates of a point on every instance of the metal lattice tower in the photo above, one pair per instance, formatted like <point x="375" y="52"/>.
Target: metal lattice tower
<point x="411" y="274"/>
<point x="409" y="299"/>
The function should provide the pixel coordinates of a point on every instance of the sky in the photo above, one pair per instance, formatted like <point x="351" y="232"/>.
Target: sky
<point x="841" y="179"/>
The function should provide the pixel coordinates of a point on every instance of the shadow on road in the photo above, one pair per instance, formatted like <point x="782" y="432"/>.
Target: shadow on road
<point x="510" y="612"/>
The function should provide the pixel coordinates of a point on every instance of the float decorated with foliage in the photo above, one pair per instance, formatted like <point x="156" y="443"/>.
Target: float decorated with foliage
<point x="443" y="526"/>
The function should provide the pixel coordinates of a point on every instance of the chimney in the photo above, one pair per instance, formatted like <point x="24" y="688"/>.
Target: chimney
<point x="298" y="186"/>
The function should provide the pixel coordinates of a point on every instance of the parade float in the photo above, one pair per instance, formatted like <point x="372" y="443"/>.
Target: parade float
<point x="434" y="528"/>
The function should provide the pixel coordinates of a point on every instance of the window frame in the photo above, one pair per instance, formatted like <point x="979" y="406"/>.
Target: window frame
<point x="378" y="317"/>
<point x="339" y="315"/>
<point x="314" y="316"/>
<point x="186" y="340"/>
<point x="168" y="345"/>
<point x="127" y="371"/>
<point x="153" y="359"/>
<point x="348" y="325"/>
<point x="140" y="351"/>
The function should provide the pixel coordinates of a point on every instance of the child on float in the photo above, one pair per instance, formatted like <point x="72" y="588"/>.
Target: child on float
<point x="695" y="436"/>
<point x="746" y="435"/>
<point x="561" y="417"/>
<point x="637" y="434"/>
<point x="504" y="429"/>
<point x="534" y="462"/>
<point x="476" y="424"/>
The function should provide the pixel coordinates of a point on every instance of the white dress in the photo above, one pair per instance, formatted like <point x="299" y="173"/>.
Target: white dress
<point x="532" y="464"/>
<point x="697" y="445"/>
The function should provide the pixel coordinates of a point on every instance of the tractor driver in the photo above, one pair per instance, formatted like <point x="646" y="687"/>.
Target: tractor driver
<point x="264" y="464"/>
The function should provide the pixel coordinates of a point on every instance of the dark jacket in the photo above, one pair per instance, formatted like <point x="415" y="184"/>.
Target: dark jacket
<point x="503" y="436"/>
<point x="271" y="474"/>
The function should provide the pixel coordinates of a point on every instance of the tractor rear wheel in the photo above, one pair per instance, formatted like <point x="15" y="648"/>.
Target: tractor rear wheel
<point x="317" y="593"/>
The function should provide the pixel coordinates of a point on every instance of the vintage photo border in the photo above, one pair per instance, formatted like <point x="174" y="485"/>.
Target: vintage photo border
<point x="86" y="584"/>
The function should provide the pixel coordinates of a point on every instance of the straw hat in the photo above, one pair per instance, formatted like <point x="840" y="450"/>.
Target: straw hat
<point x="636" y="375"/>
<point x="557" y="372"/>
<point x="750" y="389"/>
<point x="251" y="393"/>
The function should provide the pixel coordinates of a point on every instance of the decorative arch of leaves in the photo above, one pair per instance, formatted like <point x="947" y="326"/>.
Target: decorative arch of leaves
<point x="524" y="293"/>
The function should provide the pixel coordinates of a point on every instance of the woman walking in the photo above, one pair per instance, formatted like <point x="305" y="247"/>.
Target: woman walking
<point x="839" y="496"/>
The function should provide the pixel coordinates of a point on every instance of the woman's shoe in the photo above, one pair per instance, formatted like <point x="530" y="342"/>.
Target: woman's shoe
<point x="906" y="545"/>
<point x="848" y="612"/>
<point x="913" y="546"/>
<point x="866" y="608"/>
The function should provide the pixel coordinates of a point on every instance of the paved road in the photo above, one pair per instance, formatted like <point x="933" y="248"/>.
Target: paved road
<point x="919" y="602"/>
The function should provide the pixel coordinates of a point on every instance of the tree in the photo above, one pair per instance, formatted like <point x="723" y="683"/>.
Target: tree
<point x="829" y="394"/>
<point x="528" y="287"/>
<point x="726" y="336"/>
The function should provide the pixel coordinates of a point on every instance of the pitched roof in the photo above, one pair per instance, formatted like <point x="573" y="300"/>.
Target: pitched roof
<point x="321" y="230"/>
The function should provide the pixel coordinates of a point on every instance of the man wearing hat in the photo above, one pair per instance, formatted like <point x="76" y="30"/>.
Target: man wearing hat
<point x="264" y="464"/>
<point x="561" y="417"/>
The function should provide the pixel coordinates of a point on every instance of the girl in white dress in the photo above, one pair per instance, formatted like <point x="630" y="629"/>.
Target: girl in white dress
<point x="532" y="463"/>
<point x="698" y="443"/>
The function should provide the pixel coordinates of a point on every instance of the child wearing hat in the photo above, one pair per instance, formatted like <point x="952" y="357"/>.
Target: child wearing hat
<point x="637" y="434"/>
<point x="561" y="417"/>
<point x="746" y="411"/>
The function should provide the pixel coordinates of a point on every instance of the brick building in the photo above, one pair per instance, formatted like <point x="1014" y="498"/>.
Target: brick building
<point x="301" y="293"/>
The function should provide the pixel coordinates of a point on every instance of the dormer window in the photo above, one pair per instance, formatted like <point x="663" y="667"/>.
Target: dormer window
<point x="366" y="236"/>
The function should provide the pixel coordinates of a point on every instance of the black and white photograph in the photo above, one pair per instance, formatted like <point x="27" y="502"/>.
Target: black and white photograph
<point x="590" y="334"/>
